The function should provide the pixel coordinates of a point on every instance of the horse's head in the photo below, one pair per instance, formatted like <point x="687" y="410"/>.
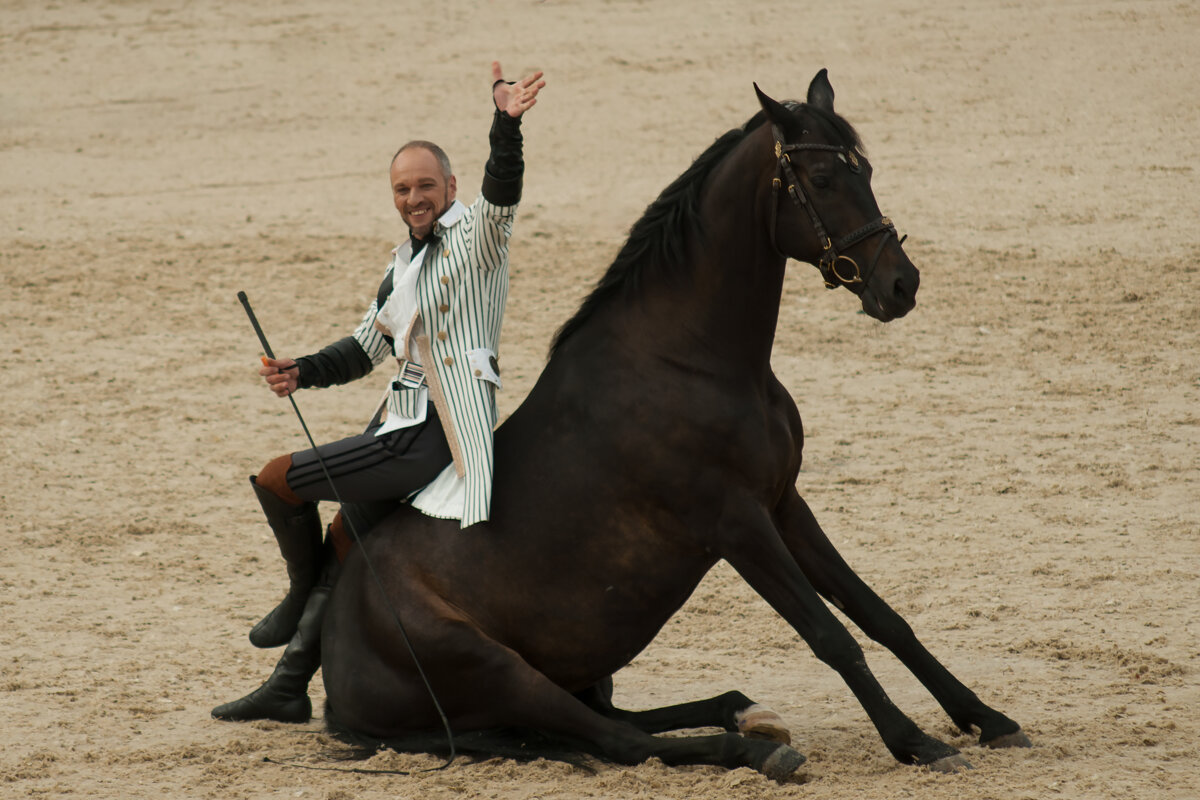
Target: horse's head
<point x="824" y="211"/>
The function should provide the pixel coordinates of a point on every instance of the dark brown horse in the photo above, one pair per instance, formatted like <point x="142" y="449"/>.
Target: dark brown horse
<point x="656" y="442"/>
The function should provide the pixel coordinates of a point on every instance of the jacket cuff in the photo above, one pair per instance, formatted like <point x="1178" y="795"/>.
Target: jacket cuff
<point x="500" y="192"/>
<point x="341" y="362"/>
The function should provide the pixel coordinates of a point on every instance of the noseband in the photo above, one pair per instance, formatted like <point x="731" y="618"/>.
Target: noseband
<point x="831" y="261"/>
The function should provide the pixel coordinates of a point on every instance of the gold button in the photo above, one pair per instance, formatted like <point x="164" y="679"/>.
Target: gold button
<point x="449" y="362"/>
<point x="443" y="308"/>
<point x="441" y="336"/>
<point x="445" y="254"/>
<point x="478" y="373"/>
<point x="446" y="280"/>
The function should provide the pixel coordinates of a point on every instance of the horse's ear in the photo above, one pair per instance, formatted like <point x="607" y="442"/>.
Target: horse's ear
<point x="820" y="91"/>
<point x="774" y="110"/>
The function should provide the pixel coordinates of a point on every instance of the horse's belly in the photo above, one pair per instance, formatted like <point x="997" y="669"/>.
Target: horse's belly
<point x="578" y="633"/>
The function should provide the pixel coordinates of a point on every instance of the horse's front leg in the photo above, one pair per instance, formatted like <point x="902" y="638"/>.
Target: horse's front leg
<point x="837" y="583"/>
<point x="753" y="546"/>
<point x="732" y="711"/>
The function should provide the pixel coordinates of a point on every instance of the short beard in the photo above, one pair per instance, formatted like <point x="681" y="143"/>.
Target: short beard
<point x="445" y="207"/>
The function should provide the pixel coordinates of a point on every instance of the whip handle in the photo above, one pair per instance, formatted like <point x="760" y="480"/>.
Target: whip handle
<point x="262" y="337"/>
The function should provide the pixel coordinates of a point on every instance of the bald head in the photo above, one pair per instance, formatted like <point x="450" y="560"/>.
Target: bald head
<point x="437" y="152"/>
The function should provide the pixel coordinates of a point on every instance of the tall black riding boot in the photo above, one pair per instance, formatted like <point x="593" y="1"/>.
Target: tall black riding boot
<point x="298" y="531"/>
<point x="284" y="697"/>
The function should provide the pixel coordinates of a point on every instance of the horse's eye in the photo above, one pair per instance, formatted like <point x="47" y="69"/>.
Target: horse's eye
<point x="820" y="181"/>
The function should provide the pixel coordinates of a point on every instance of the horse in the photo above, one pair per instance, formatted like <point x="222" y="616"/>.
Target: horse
<point x="656" y="441"/>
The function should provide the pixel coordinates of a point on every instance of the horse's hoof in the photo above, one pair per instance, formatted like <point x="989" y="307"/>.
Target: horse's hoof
<point x="782" y="762"/>
<point x="759" y="722"/>
<point x="1015" y="739"/>
<point x="951" y="764"/>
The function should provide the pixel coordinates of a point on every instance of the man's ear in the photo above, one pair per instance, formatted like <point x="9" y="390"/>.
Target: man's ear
<point x="451" y="188"/>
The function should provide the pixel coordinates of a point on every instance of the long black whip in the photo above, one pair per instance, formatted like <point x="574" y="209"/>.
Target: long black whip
<point x="262" y="338"/>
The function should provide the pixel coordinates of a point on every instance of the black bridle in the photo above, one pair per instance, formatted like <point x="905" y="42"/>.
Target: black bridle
<point x="832" y="254"/>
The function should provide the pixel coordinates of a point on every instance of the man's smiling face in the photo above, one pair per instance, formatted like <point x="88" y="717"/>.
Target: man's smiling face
<point x="421" y="190"/>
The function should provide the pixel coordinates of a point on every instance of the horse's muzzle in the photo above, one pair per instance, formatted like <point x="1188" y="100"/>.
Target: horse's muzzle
<point x="893" y="293"/>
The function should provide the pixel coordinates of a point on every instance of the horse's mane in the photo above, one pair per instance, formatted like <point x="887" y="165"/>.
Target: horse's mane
<point x="656" y="241"/>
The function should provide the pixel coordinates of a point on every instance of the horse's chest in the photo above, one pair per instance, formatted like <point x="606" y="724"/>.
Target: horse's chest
<point x="747" y="442"/>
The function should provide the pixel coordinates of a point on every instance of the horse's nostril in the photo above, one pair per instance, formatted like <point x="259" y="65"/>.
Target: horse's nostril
<point x="905" y="291"/>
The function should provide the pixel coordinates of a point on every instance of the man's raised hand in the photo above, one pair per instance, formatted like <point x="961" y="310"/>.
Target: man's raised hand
<point x="515" y="98"/>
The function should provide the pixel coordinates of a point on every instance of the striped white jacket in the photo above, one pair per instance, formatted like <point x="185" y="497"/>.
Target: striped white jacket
<point x="461" y="292"/>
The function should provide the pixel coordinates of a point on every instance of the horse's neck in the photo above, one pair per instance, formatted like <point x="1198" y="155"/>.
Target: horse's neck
<point x="717" y="311"/>
<point x="739" y="273"/>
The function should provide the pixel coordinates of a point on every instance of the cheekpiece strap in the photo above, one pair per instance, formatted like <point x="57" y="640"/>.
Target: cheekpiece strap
<point x="836" y="269"/>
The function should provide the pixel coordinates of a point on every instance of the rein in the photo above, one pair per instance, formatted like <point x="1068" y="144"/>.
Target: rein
<point x="832" y="254"/>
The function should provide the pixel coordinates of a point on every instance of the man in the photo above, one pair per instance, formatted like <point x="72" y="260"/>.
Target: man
<point x="438" y="313"/>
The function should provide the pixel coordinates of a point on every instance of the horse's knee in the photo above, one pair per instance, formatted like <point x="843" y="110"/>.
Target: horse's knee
<point x="893" y="632"/>
<point x="837" y="648"/>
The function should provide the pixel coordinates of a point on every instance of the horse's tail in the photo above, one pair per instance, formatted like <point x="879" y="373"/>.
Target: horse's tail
<point x="520" y="744"/>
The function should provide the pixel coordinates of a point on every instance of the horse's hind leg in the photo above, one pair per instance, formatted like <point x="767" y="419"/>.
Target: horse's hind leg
<point x="495" y="688"/>
<point x="837" y="582"/>
<point x="732" y="711"/>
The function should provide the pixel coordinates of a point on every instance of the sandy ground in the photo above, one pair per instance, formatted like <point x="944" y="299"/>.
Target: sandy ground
<point x="1014" y="465"/>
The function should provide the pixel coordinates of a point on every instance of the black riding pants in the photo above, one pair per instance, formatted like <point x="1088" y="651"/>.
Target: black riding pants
<point x="372" y="474"/>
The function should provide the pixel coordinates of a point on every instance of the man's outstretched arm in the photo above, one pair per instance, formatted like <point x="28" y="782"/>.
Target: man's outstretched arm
<point x="502" y="177"/>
